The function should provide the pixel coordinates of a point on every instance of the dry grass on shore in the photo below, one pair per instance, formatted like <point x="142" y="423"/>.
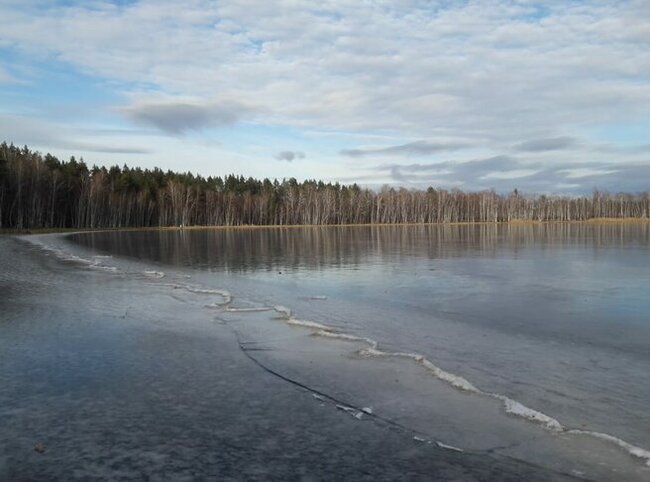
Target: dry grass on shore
<point x="15" y="231"/>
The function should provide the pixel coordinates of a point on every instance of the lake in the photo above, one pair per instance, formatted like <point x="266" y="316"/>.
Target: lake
<point x="529" y="341"/>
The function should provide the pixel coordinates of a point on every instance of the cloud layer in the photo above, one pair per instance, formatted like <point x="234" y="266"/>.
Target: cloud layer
<point x="549" y="144"/>
<point x="180" y="117"/>
<point x="506" y="173"/>
<point x="449" y="81"/>
<point x="289" y="156"/>
<point x="417" y="148"/>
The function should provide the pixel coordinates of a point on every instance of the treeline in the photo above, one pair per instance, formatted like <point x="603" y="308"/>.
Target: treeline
<point x="39" y="191"/>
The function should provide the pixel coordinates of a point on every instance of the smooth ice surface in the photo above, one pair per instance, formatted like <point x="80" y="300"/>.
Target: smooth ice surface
<point x="525" y="341"/>
<point x="117" y="375"/>
<point x="553" y="316"/>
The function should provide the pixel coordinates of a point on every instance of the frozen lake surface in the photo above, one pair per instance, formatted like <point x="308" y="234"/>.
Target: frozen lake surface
<point x="524" y="348"/>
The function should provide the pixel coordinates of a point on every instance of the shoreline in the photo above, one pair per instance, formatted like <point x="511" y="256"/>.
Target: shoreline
<point x="514" y="222"/>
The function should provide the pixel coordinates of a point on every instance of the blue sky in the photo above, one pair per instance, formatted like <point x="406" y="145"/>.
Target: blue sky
<point x="547" y="97"/>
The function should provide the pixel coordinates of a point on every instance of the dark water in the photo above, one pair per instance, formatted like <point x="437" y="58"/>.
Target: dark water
<point x="530" y="342"/>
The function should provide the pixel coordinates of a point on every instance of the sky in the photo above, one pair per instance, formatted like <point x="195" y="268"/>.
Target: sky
<point x="546" y="97"/>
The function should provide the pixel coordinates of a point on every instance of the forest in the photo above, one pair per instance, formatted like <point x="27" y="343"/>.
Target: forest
<point x="42" y="191"/>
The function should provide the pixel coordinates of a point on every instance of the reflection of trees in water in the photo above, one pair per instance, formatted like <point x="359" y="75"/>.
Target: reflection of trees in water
<point x="318" y="247"/>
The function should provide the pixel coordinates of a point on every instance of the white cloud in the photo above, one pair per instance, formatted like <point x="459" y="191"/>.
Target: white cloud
<point x="585" y="172"/>
<point x="416" y="148"/>
<point x="500" y="73"/>
<point x="38" y="133"/>
<point x="516" y="174"/>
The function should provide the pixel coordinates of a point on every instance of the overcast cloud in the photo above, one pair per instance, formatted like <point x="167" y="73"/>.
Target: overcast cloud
<point x="551" y="144"/>
<point x="418" y="148"/>
<point x="289" y="156"/>
<point x="180" y="117"/>
<point x="441" y="82"/>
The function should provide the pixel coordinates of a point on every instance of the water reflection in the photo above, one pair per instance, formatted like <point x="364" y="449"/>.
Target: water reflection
<point x="240" y="250"/>
<point x="552" y="315"/>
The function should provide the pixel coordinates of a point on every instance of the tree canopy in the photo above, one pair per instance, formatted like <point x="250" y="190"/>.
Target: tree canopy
<point x="42" y="191"/>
